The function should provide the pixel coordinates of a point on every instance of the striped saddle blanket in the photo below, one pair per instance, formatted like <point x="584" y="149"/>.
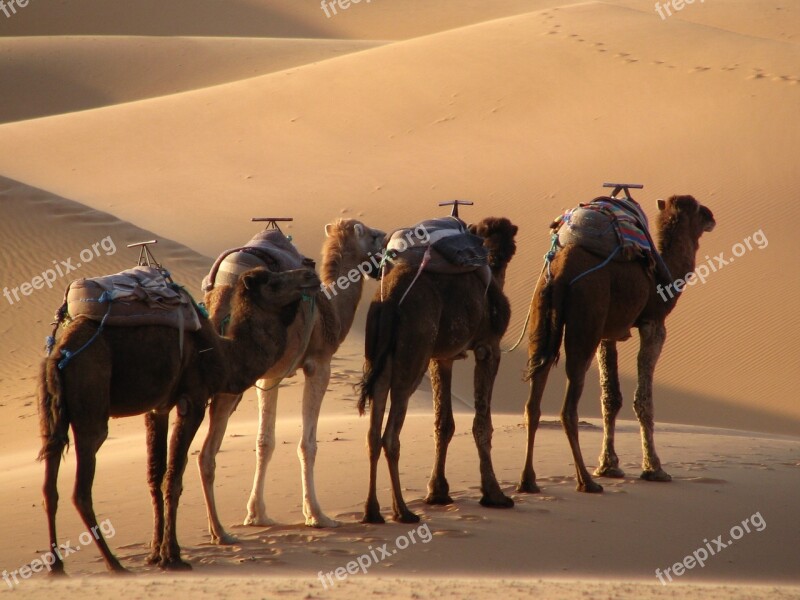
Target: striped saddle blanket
<point x="606" y="226"/>
<point x="269" y="248"/>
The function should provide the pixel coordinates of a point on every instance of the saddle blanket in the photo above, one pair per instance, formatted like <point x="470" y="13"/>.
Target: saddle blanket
<point x="137" y="296"/>
<point x="605" y="225"/>
<point x="451" y="248"/>
<point x="269" y="248"/>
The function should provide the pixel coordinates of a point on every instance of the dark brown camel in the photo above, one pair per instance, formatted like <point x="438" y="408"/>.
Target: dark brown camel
<point x="130" y="371"/>
<point x="597" y="311"/>
<point x="442" y="318"/>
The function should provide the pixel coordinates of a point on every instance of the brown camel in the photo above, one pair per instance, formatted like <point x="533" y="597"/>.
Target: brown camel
<point x="599" y="310"/>
<point x="137" y="370"/>
<point x="442" y="317"/>
<point x="349" y="248"/>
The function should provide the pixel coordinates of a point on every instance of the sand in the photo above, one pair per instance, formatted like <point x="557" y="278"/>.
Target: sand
<point x="123" y="122"/>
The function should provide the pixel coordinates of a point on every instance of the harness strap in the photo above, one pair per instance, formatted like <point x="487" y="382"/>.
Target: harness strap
<point x="425" y="260"/>
<point x="598" y="267"/>
<point x="68" y="356"/>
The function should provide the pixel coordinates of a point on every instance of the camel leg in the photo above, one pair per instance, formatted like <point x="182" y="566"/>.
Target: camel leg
<point x="157" y="425"/>
<point x="652" y="337"/>
<point x="190" y="415"/>
<point x="441" y="376"/>
<point x="265" y="446"/>
<point x="576" y="375"/>
<point x="318" y="374"/>
<point x="391" y="447"/>
<point x="88" y="439"/>
<point x="377" y="409"/>
<point x="487" y="361"/>
<point x="219" y="412"/>
<point x="611" y="398"/>
<point x="50" y="490"/>
<point x="533" y="412"/>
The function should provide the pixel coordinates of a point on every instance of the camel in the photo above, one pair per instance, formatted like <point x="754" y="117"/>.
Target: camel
<point x="443" y="317"/>
<point x="145" y="369"/>
<point x="348" y="249"/>
<point x="593" y="314"/>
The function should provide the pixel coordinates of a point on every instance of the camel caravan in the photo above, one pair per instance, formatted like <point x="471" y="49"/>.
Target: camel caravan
<point x="137" y="343"/>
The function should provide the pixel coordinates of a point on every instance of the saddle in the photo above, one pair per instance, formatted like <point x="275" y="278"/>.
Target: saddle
<point x="442" y="245"/>
<point x="137" y="296"/>
<point x="269" y="248"/>
<point x="450" y="247"/>
<point x="613" y="229"/>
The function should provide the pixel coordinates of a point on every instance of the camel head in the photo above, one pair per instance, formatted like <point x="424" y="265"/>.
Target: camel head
<point x="498" y="238"/>
<point x="686" y="211"/>
<point x="350" y="239"/>
<point x="277" y="291"/>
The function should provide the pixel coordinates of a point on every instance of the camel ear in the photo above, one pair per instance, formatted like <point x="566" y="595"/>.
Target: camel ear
<point x="472" y="228"/>
<point x="359" y="229"/>
<point x="328" y="228"/>
<point x="252" y="279"/>
<point x="661" y="204"/>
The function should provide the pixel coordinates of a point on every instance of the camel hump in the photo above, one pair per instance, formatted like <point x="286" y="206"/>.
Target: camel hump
<point x="269" y="248"/>
<point x="137" y="296"/>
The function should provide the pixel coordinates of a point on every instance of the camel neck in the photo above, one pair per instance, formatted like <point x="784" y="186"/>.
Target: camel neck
<point x="343" y="293"/>
<point x="251" y="347"/>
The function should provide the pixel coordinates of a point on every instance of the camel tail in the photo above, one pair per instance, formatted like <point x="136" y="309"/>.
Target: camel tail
<point x="53" y="418"/>
<point x="547" y="327"/>
<point x="380" y="333"/>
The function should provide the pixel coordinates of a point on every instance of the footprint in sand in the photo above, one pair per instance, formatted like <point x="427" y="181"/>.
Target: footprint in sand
<point x="453" y="533"/>
<point x="704" y="480"/>
<point x="472" y="518"/>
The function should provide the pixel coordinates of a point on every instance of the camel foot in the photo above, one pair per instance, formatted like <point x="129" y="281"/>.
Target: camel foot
<point x="224" y="539"/>
<point x="590" y="487"/>
<point x="498" y="500"/>
<point x="256" y="521"/>
<point x="321" y="522"/>
<point x="154" y="558"/>
<point x="657" y="475"/>
<point x="440" y="498"/>
<point x="613" y="472"/>
<point x="175" y="564"/>
<point x="528" y="487"/>
<point x="406" y="517"/>
<point x="57" y="570"/>
<point x="372" y="513"/>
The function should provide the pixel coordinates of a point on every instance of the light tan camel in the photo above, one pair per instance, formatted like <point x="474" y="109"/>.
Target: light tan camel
<point x="137" y="370"/>
<point x="600" y="310"/>
<point x="349" y="252"/>
<point x="442" y="318"/>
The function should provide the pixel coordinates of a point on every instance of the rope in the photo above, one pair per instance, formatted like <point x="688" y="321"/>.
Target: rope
<point x="600" y="266"/>
<point x="311" y="303"/>
<point x="530" y="309"/>
<point x="68" y="356"/>
<point x="425" y="259"/>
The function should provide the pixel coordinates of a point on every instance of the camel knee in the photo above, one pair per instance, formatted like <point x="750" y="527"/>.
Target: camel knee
<point x="265" y="444"/>
<point x="482" y="433"/>
<point x="391" y="447"/>
<point x="307" y="449"/>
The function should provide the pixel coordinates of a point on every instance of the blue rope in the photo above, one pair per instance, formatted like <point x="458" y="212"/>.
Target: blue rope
<point x="68" y="356"/>
<point x="548" y="258"/>
<point x="598" y="267"/>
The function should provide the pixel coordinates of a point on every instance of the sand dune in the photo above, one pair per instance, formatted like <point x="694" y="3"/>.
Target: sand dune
<point x="53" y="75"/>
<point x="387" y="149"/>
